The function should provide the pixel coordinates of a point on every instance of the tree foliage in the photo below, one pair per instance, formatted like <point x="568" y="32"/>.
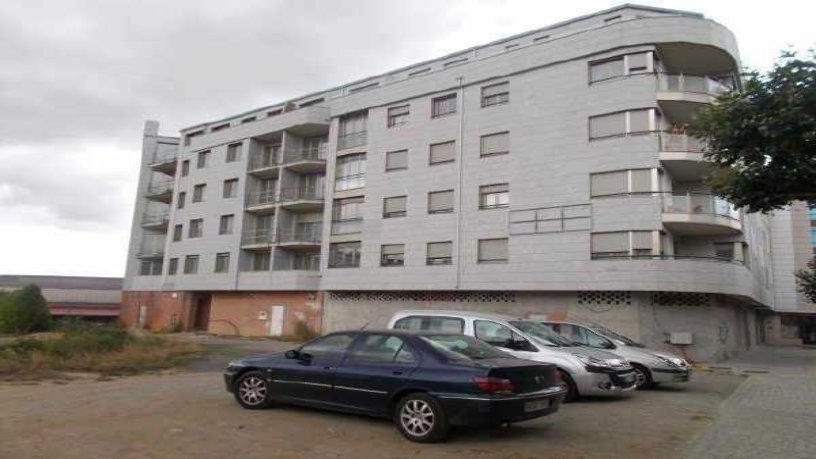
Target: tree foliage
<point x="24" y="311"/>
<point x="806" y="278"/>
<point x="762" y="137"/>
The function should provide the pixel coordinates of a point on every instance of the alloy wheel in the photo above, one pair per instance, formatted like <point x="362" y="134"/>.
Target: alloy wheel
<point x="252" y="391"/>
<point x="417" y="417"/>
<point x="641" y="380"/>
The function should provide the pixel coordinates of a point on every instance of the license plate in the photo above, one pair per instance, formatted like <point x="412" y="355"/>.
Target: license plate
<point x="536" y="406"/>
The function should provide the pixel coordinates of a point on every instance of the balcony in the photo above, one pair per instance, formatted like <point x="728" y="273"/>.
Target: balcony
<point x="680" y="95"/>
<point x="683" y="157"/>
<point x="305" y="160"/>
<point x="352" y="140"/>
<point x="306" y="236"/>
<point x="262" y="201"/>
<point x="161" y="191"/>
<point x="156" y="220"/>
<point x="265" y="163"/>
<point x="302" y="198"/>
<point x="666" y="257"/>
<point x="153" y="248"/>
<point x="164" y="162"/>
<point x="258" y="239"/>
<point x="347" y="226"/>
<point x="696" y="214"/>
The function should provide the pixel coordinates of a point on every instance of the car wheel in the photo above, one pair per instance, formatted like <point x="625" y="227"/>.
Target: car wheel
<point x="420" y="418"/>
<point x="643" y="378"/>
<point x="252" y="391"/>
<point x="572" y="389"/>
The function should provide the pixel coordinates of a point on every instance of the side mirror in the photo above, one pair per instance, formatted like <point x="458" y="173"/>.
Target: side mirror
<point x="292" y="354"/>
<point x="610" y="345"/>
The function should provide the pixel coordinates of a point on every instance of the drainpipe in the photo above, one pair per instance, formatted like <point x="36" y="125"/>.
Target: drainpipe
<point x="461" y="101"/>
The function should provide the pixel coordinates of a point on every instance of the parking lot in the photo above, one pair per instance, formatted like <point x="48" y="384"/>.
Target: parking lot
<point x="188" y="414"/>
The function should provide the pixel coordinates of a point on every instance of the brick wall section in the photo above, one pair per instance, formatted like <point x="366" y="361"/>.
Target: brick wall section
<point x="238" y="312"/>
<point x="163" y="309"/>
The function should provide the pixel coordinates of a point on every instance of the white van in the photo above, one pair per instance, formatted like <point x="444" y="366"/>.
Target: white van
<point x="586" y="371"/>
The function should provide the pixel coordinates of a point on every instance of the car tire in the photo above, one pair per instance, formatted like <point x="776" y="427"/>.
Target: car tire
<point x="420" y="418"/>
<point x="252" y="391"/>
<point x="572" y="389"/>
<point x="643" y="377"/>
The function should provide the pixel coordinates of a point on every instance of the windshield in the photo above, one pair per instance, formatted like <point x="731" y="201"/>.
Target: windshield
<point x="462" y="347"/>
<point x="541" y="333"/>
<point x="609" y="333"/>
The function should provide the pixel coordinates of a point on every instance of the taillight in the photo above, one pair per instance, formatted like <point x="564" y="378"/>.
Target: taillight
<point x="492" y="385"/>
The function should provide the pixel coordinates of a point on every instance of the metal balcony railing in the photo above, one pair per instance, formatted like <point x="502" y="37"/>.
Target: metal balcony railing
<point x="608" y="256"/>
<point x="698" y="204"/>
<point x="160" y="187"/>
<point x="302" y="193"/>
<point x="259" y="236"/>
<point x="312" y="233"/>
<point x="156" y="218"/>
<point x="305" y="154"/>
<point x="265" y="159"/>
<point x="693" y="83"/>
<point x="681" y="143"/>
<point x="311" y="263"/>
<point x="260" y="198"/>
<point x="352" y="139"/>
<point x="153" y="248"/>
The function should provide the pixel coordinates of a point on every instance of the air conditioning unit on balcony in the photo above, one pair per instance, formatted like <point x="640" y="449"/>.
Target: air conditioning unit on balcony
<point x="681" y="338"/>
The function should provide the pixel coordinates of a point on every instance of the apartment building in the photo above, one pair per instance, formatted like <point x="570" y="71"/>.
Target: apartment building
<point x="546" y="174"/>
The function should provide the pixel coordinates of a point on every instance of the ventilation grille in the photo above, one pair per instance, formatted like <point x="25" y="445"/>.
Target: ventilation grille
<point x="451" y="297"/>
<point x="680" y="299"/>
<point x="605" y="298"/>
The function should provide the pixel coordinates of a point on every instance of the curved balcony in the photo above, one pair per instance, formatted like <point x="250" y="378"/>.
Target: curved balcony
<point x="680" y="95"/>
<point x="164" y="162"/>
<point x="683" y="156"/>
<point x="699" y="214"/>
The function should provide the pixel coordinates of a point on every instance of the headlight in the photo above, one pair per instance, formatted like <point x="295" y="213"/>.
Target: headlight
<point x="672" y="361"/>
<point x="592" y="361"/>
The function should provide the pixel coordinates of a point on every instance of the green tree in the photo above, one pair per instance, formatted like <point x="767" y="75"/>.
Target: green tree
<point x="762" y="137"/>
<point x="24" y="311"/>
<point x="806" y="278"/>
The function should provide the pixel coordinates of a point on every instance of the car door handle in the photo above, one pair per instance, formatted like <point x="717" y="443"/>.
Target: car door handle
<point x="396" y="372"/>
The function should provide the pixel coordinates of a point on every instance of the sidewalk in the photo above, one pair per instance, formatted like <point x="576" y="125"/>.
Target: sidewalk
<point x="772" y="414"/>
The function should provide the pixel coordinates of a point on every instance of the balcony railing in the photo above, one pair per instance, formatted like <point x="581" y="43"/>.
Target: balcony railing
<point x="302" y="193"/>
<point x="261" y="198"/>
<point x="305" y="154"/>
<point x="698" y="204"/>
<point x="352" y="139"/>
<point x="153" y="248"/>
<point x="310" y="263"/>
<point x="681" y="143"/>
<point x="606" y="256"/>
<point x="155" y="218"/>
<point x="160" y="187"/>
<point x="693" y="83"/>
<point x="259" y="236"/>
<point x="312" y="233"/>
<point x="265" y="159"/>
<point x="163" y="157"/>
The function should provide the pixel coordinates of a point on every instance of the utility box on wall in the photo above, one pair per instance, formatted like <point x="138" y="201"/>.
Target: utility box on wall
<point x="680" y="338"/>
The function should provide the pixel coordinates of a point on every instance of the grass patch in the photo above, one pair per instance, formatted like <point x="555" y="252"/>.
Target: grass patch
<point x="103" y="349"/>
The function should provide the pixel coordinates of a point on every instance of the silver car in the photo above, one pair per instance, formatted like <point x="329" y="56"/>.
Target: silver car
<point x="585" y="371"/>
<point x="651" y="367"/>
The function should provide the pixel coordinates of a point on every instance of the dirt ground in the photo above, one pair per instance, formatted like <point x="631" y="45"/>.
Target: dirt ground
<point x="190" y="415"/>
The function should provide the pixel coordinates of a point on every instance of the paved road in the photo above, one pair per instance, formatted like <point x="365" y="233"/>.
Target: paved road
<point x="772" y="414"/>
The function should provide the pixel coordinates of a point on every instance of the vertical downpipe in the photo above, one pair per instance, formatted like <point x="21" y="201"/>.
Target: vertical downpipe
<point x="461" y="162"/>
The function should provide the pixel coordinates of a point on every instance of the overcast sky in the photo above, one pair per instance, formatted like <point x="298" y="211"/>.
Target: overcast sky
<point x="78" y="78"/>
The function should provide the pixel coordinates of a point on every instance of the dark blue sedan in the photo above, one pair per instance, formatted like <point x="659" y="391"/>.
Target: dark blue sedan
<point x="424" y="381"/>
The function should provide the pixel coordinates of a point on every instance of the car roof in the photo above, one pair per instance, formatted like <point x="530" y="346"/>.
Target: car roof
<point x="454" y="313"/>
<point x="397" y="332"/>
<point x="570" y="322"/>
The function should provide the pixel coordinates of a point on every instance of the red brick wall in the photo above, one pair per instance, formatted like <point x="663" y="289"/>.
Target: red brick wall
<point x="239" y="312"/>
<point x="162" y="308"/>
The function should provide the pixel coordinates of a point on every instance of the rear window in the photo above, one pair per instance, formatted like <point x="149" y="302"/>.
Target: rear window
<point x="431" y="323"/>
<point x="461" y="347"/>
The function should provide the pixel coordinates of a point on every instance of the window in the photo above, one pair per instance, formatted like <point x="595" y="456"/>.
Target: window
<point x="492" y="332"/>
<point x="496" y="94"/>
<point x="622" y="244"/>
<point x="231" y="188"/>
<point x="189" y="137"/>
<point x="724" y="250"/>
<point x="638" y="63"/>
<point x="431" y="323"/>
<point x="344" y="255"/>
<point x="397" y="116"/>
<point x="440" y="202"/>
<point x="621" y="182"/>
<point x="191" y="264"/>
<point x="604" y="70"/>
<point x="347" y="215"/>
<point x="392" y="255"/>
<point x="203" y="159"/>
<point x="352" y="131"/>
<point x="328" y="349"/>
<point x="584" y="336"/>
<point x="380" y="349"/>
<point x="350" y="172"/>
<point x="444" y="105"/>
<point x="198" y="192"/>
<point x="493" y="196"/>
<point x="220" y="127"/>
<point x="621" y="123"/>
<point x="493" y="250"/>
<point x="439" y="253"/>
<point x="172" y="267"/>
<point x="396" y="160"/>
<point x="225" y="224"/>
<point x="495" y="144"/>
<point x="185" y="168"/>
<point x="260" y="261"/>
<point x="248" y="120"/>
<point x="180" y="201"/>
<point x="222" y="262"/>
<point x="234" y="152"/>
<point x="394" y="206"/>
<point x="177" y="231"/>
<point x="196" y="228"/>
<point x="444" y="152"/>
<point x="150" y="267"/>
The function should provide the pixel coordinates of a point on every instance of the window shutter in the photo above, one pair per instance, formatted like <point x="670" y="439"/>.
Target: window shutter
<point x="495" y="89"/>
<point x="440" y="201"/>
<point x="639" y="120"/>
<point x="393" y="249"/>
<point x="610" y="242"/>
<point x="396" y="160"/>
<point x="605" y="70"/>
<point x="607" y="125"/>
<point x="495" y="143"/>
<point x="609" y="183"/>
<point x="492" y="249"/>
<point x="641" y="240"/>
<point x="637" y="62"/>
<point x="442" y="152"/>
<point x="641" y="180"/>
<point x="440" y="249"/>
<point x="395" y="204"/>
